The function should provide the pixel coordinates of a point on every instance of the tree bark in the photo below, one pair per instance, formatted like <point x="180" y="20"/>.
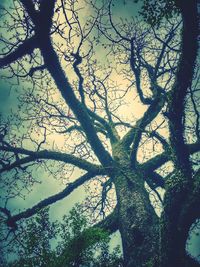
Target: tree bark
<point x="180" y="186"/>
<point x="138" y="223"/>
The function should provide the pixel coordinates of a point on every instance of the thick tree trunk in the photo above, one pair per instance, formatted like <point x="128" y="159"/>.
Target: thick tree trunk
<point x="173" y="238"/>
<point x="181" y="209"/>
<point x="148" y="241"/>
<point x="179" y="188"/>
<point x="138" y="223"/>
<point x="140" y="228"/>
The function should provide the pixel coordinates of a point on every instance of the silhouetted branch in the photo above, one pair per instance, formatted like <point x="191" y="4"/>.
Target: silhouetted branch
<point x="11" y="221"/>
<point x="45" y="154"/>
<point x="23" y="49"/>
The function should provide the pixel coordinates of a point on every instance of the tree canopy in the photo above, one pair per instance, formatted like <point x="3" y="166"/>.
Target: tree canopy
<point x="107" y="98"/>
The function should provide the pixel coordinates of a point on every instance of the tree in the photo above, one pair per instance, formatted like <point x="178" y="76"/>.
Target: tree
<point x="70" y="90"/>
<point x="32" y="242"/>
<point x="76" y="243"/>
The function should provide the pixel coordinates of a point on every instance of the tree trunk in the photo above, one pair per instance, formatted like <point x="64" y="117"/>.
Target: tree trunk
<point x="138" y="223"/>
<point x="181" y="209"/>
<point x="147" y="240"/>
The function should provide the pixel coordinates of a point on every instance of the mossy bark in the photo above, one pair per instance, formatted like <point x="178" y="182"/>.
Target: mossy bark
<point x="175" y="223"/>
<point x="172" y="237"/>
<point x="179" y="189"/>
<point x="147" y="240"/>
<point x="138" y="223"/>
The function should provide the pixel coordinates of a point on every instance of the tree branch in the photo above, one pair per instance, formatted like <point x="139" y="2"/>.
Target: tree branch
<point x="53" y="66"/>
<point x="161" y="159"/>
<point x="110" y="223"/>
<point x="134" y="135"/>
<point x="45" y="154"/>
<point x="154" y="180"/>
<point x="184" y="75"/>
<point x="25" y="48"/>
<point x="11" y="221"/>
<point x="29" y="6"/>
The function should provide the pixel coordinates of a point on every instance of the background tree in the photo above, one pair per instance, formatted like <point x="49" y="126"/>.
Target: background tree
<point x="75" y="243"/>
<point x="81" y="78"/>
<point x="31" y="245"/>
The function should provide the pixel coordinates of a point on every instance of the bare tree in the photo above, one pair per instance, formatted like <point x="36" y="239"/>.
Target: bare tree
<point x="81" y="78"/>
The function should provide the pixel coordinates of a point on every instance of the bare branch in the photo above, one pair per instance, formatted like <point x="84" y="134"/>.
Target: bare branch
<point x="11" y="221"/>
<point x="134" y="135"/>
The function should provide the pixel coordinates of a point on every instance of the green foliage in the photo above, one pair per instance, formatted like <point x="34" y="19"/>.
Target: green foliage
<point x="76" y="244"/>
<point x="153" y="11"/>
<point x="32" y="245"/>
<point x="80" y="243"/>
<point x="108" y="259"/>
